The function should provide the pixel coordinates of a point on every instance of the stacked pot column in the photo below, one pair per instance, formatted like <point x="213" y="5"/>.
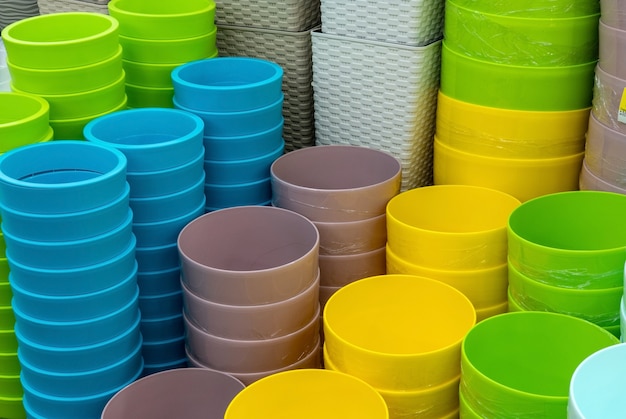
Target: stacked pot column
<point x="516" y="89"/>
<point x="604" y="166"/>
<point x="455" y="234"/>
<point x="165" y="173"/>
<point x="24" y="121"/>
<point x="566" y="255"/>
<point x="158" y="36"/>
<point x="250" y="279"/>
<point x="240" y="101"/>
<point x="390" y="103"/>
<point x="343" y="190"/>
<point x="79" y="73"/>
<point x="414" y="363"/>
<point x="67" y="225"/>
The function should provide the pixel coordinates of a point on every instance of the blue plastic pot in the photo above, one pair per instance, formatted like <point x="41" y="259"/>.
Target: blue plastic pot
<point x="252" y="193"/>
<point x="244" y="147"/>
<point x="80" y="358"/>
<point x="61" y="176"/>
<point x="70" y="254"/>
<point x="67" y="226"/>
<point x="83" y="383"/>
<point x="77" y="333"/>
<point x="72" y="281"/>
<point x="168" y="181"/>
<point x="39" y="405"/>
<point x="159" y="306"/>
<point x="79" y="306"/>
<point x="154" y="368"/>
<point x="227" y="84"/>
<point x="161" y="233"/>
<point x="230" y="172"/>
<point x="167" y="207"/>
<point x="164" y="351"/>
<point x="152" y="139"/>
<point x="157" y="258"/>
<point x="164" y="328"/>
<point x="233" y="124"/>
<point x="159" y="282"/>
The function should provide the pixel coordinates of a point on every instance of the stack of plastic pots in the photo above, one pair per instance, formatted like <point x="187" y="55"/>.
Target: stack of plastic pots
<point x="181" y="392"/>
<point x="240" y="101"/>
<point x="24" y="119"/>
<point x="566" y="255"/>
<point x="68" y="230"/>
<point x="250" y="280"/>
<point x="158" y="36"/>
<point x="308" y="394"/>
<point x="597" y="384"/>
<point x="74" y="61"/>
<point x="165" y="173"/>
<point x="604" y="166"/>
<point x="413" y="363"/>
<point x="5" y="75"/>
<point x="455" y="234"/>
<point x="521" y="364"/>
<point x="343" y="190"/>
<point x="515" y="94"/>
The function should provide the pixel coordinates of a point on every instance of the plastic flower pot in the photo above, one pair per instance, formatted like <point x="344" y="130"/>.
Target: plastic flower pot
<point x="603" y="151"/>
<point x="272" y="255"/>
<point x="24" y="119"/>
<point x="77" y="333"/>
<point x="163" y="19"/>
<point x="72" y="129"/>
<point x="70" y="254"/>
<point x="85" y="103"/>
<point x="76" y="307"/>
<point x="168" y="51"/>
<point x="571" y="239"/>
<point x="613" y="13"/>
<point x="39" y="405"/>
<point x="510" y="133"/>
<point x="233" y="124"/>
<point x="161" y="305"/>
<point x="591" y="182"/>
<point x="187" y="392"/>
<point x="157" y="258"/>
<point x="232" y="172"/>
<point x="227" y="84"/>
<point x="53" y="41"/>
<point x="253" y="322"/>
<point x="63" y="81"/>
<point x="156" y="283"/>
<point x="450" y="227"/>
<point x="242" y="355"/>
<point x="556" y="88"/>
<point x="335" y="183"/>
<point x="49" y="178"/>
<point x="398" y="358"/>
<point x="530" y="8"/>
<point x="152" y="139"/>
<point x="164" y="351"/>
<point x="326" y="393"/>
<point x="340" y="270"/>
<point x="524" y="179"/>
<point x="484" y="287"/>
<point x="149" y="97"/>
<point x="312" y="359"/>
<point x="161" y="233"/>
<point x="164" y="328"/>
<point x="595" y="384"/>
<point x="166" y="181"/>
<point x="505" y="359"/>
<point x="154" y="368"/>
<point x="548" y="39"/>
<point x="352" y="237"/>
<point x="67" y="226"/>
<point x="434" y="402"/>
<point x="607" y="95"/>
<point x="71" y="281"/>
<point x="83" y="383"/>
<point x="243" y="147"/>
<point x="80" y="358"/>
<point x="239" y="194"/>
<point x="611" y="40"/>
